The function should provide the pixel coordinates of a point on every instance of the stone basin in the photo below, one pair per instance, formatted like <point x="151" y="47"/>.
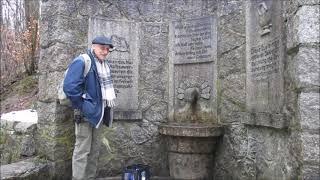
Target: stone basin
<point x="191" y="149"/>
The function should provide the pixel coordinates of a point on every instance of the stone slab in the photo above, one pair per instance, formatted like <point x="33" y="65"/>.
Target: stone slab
<point x="190" y="166"/>
<point x="193" y="40"/>
<point x="310" y="148"/>
<point x="192" y="65"/>
<point x="26" y="169"/>
<point x="307" y="67"/>
<point x="303" y="27"/>
<point x="265" y="51"/>
<point x="203" y="78"/>
<point x="309" y="108"/>
<point x="124" y="61"/>
<point x="310" y="172"/>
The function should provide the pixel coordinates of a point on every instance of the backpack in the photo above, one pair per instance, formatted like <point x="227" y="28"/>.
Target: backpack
<point x="62" y="97"/>
<point x="136" y="172"/>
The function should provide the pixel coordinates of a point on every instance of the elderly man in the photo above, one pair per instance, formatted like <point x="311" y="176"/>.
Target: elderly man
<point x="92" y="96"/>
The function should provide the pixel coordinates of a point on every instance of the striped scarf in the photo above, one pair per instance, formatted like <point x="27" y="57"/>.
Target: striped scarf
<point x="107" y="90"/>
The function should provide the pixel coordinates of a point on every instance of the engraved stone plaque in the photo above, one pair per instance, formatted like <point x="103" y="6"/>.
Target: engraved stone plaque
<point x="192" y="69"/>
<point x="192" y="41"/>
<point x="124" y="62"/>
<point x="264" y="62"/>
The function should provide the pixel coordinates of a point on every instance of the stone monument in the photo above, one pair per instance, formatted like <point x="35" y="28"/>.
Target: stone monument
<point x="265" y="53"/>
<point x="192" y="127"/>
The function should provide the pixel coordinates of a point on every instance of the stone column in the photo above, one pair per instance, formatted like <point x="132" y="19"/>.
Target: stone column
<point x="303" y="53"/>
<point x="63" y="37"/>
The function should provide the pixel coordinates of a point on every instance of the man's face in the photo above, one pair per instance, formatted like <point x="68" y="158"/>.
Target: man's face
<point x="101" y="51"/>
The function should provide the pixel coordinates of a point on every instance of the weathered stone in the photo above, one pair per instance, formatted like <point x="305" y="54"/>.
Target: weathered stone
<point x="265" y="56"/>
<point x="231" y="29"/>
<point x="188" y="9"/>
<point x="233" y="98"/>
<point x="48" y="86"/>
<point x="310" y="148"/>
<point x="310" y="172"/>
<point x="8" y="125"/>
<point x="292" y="7"/>
<point x="17" y="140"/>
<point x="307" y="67"/>
<point x="193" y="40"/>
<point x="231" y="54"/>
<point x="10" y="147"/>
<point x="232" y="84"/>
<point x="27" y="169"/>
<point x="303" y="27"/>
<point x="235" y="146"/>
<point x="62" y="29"/>
<point x="139" y="135"/>
<point x="25" y="127"/>
<point x="55" y="135"/>
<point x="191" y="148"/>
<point x="52" y="8"/>
<point x="59" y="56"/>
<point x="309" y="107"/>
<point x="28" y="148"/>
<point x="190" y="166"/>
<point x="122" y="141"/>
<point x="251" y="151"/>
<point x="156" y="113"/>
<point x="56" y="141"/>
<point x="154" y="59"/>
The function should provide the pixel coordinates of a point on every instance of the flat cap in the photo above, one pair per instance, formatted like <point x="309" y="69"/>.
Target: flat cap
<point x="103" y="41"/>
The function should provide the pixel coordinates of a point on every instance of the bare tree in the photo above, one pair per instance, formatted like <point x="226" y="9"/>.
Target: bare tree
<point x="19" y="38"/>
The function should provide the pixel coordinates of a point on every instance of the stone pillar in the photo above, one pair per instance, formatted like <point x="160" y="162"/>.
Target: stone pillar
<point x="303" y="52"/>
<point x="63" y="36"/>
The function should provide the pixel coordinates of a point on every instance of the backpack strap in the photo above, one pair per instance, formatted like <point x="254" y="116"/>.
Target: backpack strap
<point x="87" y="64"/>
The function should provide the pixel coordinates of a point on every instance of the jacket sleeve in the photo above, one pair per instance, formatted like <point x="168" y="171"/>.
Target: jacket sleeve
<point x="73" y="84"/>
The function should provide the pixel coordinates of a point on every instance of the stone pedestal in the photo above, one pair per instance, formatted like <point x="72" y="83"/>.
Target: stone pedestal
<point x="191" y="149"/>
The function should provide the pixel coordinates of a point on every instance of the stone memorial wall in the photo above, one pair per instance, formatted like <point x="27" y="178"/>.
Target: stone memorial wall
<point x="254" y="63"/>
<point x="124" y="62"/>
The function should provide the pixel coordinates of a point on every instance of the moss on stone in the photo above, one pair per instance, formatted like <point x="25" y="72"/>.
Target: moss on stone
<point x="65" y="140"/>
<point x="3" y="136"/>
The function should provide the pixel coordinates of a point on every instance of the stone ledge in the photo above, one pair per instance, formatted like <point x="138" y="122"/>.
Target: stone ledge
<point x="27" y="169"/>
<point x="278" y="121"/>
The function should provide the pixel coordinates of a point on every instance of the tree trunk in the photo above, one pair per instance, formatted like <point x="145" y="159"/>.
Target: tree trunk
<point x="32" y="8"/>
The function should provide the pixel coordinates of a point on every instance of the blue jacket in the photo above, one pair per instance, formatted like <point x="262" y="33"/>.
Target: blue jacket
<point x="84" y="92"/>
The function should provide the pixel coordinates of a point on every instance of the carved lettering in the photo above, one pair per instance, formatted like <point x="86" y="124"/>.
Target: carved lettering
<point x="122" y="73"/>
<point x="192" y="40"/>
<point x="264" y="60"/>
